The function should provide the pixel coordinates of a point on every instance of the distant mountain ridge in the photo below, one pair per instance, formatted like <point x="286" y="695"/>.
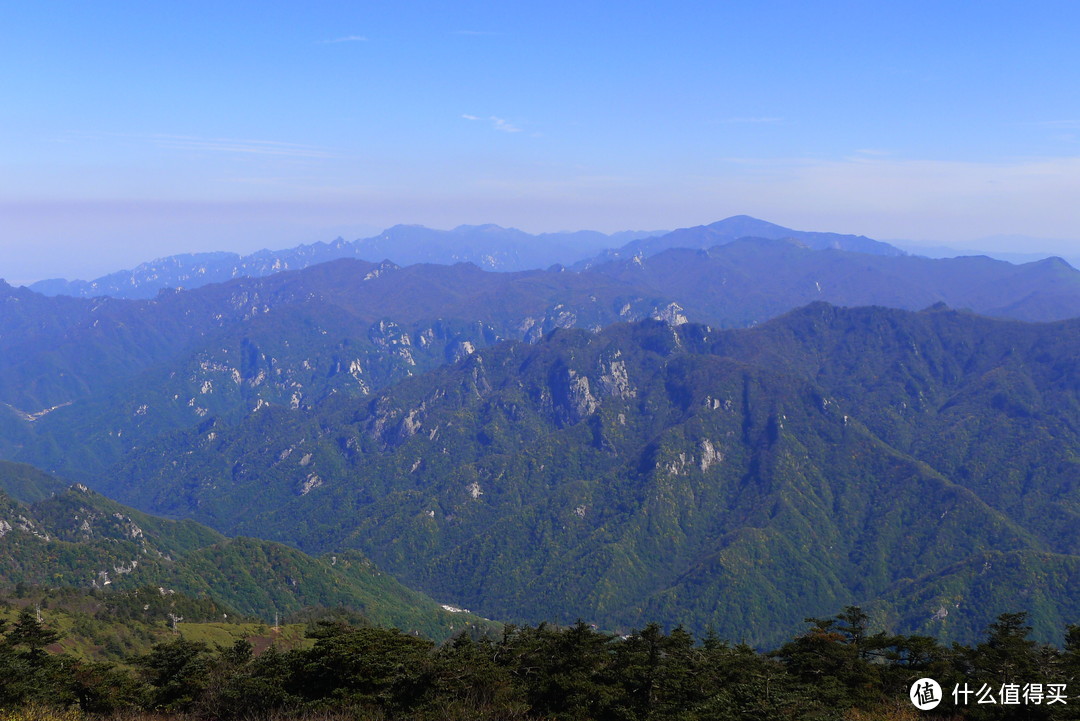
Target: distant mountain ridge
<point x="750" y="280"/>
<point x="736" y="227"/>
<point x="343" y="404"/>
<point x="487" y="246"/>
<point x="60" y="349"/>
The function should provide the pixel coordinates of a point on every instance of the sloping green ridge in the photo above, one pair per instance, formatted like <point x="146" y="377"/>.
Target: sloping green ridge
<point x="80" y="538"/>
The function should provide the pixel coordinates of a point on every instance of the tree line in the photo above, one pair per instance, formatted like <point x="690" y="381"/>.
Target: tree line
<point x="835" y="669"/>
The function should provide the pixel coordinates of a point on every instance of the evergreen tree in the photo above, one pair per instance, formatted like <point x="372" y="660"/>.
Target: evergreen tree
<point x="31" y="634"/>
<point x="1007" y="655"/>
<point x="178" y="672"/>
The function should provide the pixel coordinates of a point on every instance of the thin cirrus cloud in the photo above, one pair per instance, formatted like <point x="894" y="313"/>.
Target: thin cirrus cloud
<point x="497" y="123"/>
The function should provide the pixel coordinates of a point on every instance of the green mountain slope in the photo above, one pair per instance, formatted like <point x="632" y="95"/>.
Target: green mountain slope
<point x="79" y="538"/>
<point x="736" y="480"/>
<point x="28" y="484"/>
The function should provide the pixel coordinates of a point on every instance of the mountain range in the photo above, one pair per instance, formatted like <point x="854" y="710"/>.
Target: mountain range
<point x="92" y="378"/>
<point x="88" y="380"/>
<point x="486" y="246"/>
<point x="921" y="464"/>
<point x="691" y="430"/>
<point x="490" y="247"/>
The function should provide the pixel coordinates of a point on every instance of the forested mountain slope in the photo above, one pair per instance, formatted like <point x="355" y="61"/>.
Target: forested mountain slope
<point x="78" y="538"/>
<point x="88" y="380"/>
<point x="62" y="349"/>
<point x="111" y="374"/>
<point x="922" y="464"/>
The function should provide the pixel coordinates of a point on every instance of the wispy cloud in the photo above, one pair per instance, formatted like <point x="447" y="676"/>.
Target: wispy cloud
<point x="346" y="39"/>
<point x="500" y="124"/>
<point x="504" y="125"/>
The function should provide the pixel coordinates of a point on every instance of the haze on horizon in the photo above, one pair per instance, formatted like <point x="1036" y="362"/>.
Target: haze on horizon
<point x="132" y="130"/>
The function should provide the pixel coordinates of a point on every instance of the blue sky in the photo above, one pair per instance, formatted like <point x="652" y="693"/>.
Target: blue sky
<point x="130" y="130"/>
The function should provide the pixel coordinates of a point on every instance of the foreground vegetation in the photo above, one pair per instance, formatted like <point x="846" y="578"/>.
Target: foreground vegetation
<point x="836" y="669"/>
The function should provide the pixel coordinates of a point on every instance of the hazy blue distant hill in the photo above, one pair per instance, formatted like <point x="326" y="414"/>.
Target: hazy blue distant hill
<point x="740" y="226"/>
<point x="490" y="247"/>
<point x="487" y="246"/>
<point x="1024" y="248"/>
<point x="920" y="464"/>
<point x="750" y="280"/>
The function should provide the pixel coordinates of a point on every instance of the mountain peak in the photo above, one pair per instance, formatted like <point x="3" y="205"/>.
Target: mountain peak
<point x="405" y="226"/>
<point x="741" y="225"/>
<point x="1055" y="262"/>
<point x="483" y="227"/>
